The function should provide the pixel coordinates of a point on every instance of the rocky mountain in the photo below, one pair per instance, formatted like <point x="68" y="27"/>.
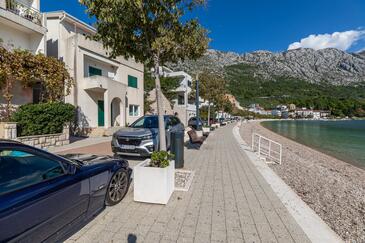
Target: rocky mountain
<point x="331" y="66"/>
<point x="362" y="53"/>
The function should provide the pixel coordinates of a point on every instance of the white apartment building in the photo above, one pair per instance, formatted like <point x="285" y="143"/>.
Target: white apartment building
<point x="22" y="26"/>
<point x="181" y="105"/>
<point x="108" y="91"/>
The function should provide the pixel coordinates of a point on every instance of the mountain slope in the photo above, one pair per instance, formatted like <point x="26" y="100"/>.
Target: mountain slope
<point x="332" y="66"/>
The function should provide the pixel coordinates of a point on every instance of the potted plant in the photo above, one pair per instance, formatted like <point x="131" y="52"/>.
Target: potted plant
<point x="28" y="15"/>
<point x="154" y="179"/>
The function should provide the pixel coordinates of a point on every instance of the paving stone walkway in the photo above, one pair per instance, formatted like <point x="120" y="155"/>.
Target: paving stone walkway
<point x="229" y="201"/>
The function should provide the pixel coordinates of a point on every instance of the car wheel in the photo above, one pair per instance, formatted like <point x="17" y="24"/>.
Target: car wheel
<point x="118" y="187"/>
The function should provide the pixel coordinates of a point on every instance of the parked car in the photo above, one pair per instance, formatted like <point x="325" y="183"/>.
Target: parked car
<point x="45" y="197"/>
<point x="194" y="122"/>
<point x="141" y="138"/>
<point x="222" y="121"/>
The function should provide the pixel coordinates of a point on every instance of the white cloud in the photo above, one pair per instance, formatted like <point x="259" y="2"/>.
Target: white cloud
<point x="340" y="40"/>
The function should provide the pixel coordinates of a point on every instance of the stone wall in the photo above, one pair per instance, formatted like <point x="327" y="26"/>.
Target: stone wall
<point x="8" y="131"/>
<point x="47" y="141"/>
<point x="2" y="4"/>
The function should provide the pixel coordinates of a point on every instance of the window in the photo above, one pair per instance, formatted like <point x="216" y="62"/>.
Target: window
<point x="94" y="71"/>
<point x="134" y="110"/>
<point x="180" y="100"/>
<point x="146" y="122"/>
<point x="132" y="81"/>
<point x="19" y="169"/>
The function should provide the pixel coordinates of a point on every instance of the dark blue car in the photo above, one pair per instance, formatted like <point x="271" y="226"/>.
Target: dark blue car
<point x="45" y="197"/>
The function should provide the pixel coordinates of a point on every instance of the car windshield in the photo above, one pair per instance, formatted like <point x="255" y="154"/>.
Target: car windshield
<point x="146" y="122"/>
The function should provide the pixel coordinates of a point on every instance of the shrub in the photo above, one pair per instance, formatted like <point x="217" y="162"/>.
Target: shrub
<point x="44" y="118"/>
<point x="160" y="159"/>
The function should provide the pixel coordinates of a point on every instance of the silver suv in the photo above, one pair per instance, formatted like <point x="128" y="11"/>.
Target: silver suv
<point x="141" y="138"/>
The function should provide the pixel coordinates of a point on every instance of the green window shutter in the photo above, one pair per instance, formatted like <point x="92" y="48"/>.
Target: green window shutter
<point x="132" y="81"/>
<point x="94" y="71"/>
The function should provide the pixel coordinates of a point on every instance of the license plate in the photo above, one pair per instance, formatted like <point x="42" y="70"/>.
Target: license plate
<point x="129" y="147"/>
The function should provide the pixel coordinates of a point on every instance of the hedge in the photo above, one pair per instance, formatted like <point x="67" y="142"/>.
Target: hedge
<point x="44" y="118"/>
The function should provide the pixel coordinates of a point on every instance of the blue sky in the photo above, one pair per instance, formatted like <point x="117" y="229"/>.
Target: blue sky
<point x="249" y="25"/>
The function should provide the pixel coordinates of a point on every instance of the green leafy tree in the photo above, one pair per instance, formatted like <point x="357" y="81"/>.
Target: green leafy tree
<point x="212" y="88"/>
<point x="152" y="32"/>
<point x="168" y="87"/>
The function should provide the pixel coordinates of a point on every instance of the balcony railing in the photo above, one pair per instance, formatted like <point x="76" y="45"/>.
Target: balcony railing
<point x="24" y="11"/>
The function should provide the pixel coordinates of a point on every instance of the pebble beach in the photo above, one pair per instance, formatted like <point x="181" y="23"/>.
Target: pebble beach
<point x="334" y="189"/>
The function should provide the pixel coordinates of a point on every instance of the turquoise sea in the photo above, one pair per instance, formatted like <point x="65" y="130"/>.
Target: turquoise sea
<point x="344" y="140"/>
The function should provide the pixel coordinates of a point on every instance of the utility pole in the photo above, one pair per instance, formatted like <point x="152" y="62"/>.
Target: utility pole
<point x="198" y="128"/>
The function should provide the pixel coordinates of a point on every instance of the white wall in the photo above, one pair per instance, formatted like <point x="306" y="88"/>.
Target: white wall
<point x="135" y="96"/>
<point x="53" y="37"/>
<point x="91" y="53"/>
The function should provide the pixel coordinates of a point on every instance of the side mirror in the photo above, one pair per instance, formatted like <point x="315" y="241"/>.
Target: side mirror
<point x="71" y="170"/>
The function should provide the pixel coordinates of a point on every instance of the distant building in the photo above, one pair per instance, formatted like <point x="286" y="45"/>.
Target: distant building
<point x="166" y="106"/>
<point x="308" y="113"/>
<point x="182" y="106"/>
<point x="316" y="115"/>
<point x="325" y="114"/>
<point x="282" y="108"/>
<point x="276" y="113"/>
<point x="222" y="114"/>
<point x="292" y="107"/>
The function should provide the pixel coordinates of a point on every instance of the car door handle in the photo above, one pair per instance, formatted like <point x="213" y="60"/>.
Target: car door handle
<point x="101" y="187"/>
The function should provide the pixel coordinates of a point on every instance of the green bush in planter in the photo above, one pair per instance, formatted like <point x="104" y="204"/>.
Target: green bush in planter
<point x="161" y="159"/>
<point x="44" y="118"/>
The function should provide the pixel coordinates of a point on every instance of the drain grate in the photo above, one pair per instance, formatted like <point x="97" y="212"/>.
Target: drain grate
<point x="183" y="180"/>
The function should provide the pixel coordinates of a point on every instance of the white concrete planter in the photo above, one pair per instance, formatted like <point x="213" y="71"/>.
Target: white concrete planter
<point x="216" y="125"/>
<point x="206" y="130"/>
<point x="153" y="185"/>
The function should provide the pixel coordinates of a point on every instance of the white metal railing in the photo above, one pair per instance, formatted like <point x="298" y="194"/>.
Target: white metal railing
<point x="270" y="150"/>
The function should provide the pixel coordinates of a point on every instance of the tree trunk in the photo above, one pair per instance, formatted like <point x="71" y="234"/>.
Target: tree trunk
<point x="160" y="112"/>
<point x="8" y="97"/>
<point x="208" y="113"/>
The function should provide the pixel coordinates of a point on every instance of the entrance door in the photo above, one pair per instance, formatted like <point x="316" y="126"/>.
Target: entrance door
<point x="101" y="113"/>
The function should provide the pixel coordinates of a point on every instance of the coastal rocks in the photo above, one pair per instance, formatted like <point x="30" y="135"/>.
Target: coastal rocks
<point x="334" y="189"/>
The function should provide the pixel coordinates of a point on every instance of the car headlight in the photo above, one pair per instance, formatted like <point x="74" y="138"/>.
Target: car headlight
<point x="147" y="137"/>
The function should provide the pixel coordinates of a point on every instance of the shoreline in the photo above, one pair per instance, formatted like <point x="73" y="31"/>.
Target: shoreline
<point x="353" y="163"/>
<point x="333" y="188"/>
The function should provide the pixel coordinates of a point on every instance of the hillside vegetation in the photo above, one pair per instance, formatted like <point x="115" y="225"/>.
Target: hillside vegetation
<point x="248" y="86"/>
<point x="327" y="79"/>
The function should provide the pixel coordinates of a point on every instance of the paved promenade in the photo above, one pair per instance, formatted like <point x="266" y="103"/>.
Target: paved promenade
<point x="229" y="201"/>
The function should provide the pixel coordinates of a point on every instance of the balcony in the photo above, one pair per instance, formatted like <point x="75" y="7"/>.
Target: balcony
<point x="27" y="12"/>
<point x="101" y="84"/>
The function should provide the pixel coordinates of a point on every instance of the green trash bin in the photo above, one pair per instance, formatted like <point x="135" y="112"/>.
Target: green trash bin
<point x="177" y="148"/>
